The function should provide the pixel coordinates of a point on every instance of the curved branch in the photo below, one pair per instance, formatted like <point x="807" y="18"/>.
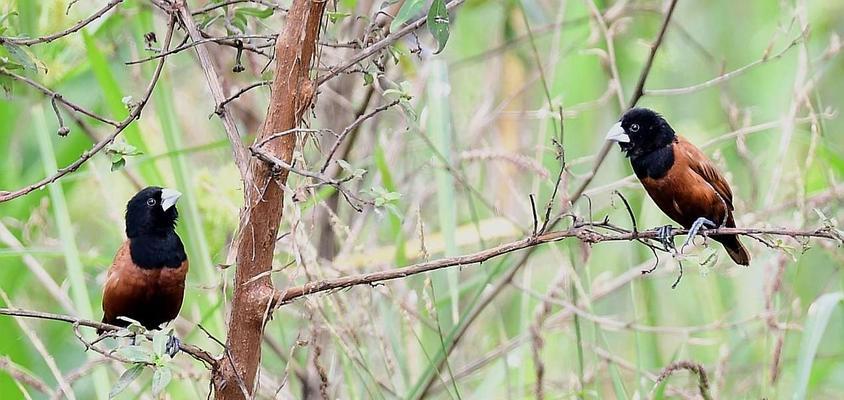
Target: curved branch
<point x="691" y="366"/>
<point x="133" y="115"/>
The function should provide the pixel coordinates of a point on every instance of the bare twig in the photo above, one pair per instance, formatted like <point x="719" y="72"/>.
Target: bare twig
<point x="49" y="38"/>
<point x="240" y="92"/>
<point x="584" y="232"/>
<point x="214" y="6"/>
<point x="351" y="128"/>
<point x="380" y="45"/>
<point x="646" y="70"/>
<point x="723" y="77"/>
<point x="99" y="146"/>
<point x="322" y="179"/>
<point x="223" y="40"/>
<point x="192" y="350"/>
<point x="42" y="350"/>
<point x="55" y="96"/>
<point x="20" y="374"/>
<point x="238" y="149"/>
<point x="637" y="94"/>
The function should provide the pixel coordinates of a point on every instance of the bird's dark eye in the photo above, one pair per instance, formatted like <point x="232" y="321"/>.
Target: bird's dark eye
<point x="634" y="128"/>
<point x="150" y="202"/>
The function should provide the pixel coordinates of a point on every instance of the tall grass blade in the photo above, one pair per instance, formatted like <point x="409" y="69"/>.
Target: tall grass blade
<point x="816" y="322"/>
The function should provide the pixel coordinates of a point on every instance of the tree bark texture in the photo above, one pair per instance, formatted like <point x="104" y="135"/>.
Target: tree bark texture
<point x="292" y="93"/>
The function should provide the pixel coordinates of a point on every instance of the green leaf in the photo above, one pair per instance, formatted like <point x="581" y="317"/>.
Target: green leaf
<point x="160" y="378"/>
<point x="6" y="82"/>
<point x="117" y="162"/>
<point x="23" y="56"/>
<point x="7" y="63"/>
<point x="123" y="332"/>
<point x="438" y="23"/>
<point x="335" y="16"/>
<point x="135" y="354"/>
<point x="345" y="165"/>
<point x="408" y="108"/>
<point x="392" y="196"/>
<point x="256" y="12"/>
<point x="3" y="19"/>
<point x="207" y="20"/>
<point x="239" y="21"/>
<point x="813" y="330"/>
<point x="368" y="79"/>
<point x="402" y="92"/>
<point x="126" y="379"/>
<point x="123" y="149"/>
<point x="118" y="152"/>
<point x="159" y="342"/>
<point x="407" y="11"/>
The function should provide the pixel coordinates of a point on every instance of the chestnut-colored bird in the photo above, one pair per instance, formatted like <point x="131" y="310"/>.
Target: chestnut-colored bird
<point x="146" y="281"/>
<point x="680" y="179"/>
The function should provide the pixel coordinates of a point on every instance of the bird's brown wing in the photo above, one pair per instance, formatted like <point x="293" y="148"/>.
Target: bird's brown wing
<point x="150" y="296"/>
<point x="694" y="188"/>
<point x="700" y="164"/>
<point x="691" y="188"/>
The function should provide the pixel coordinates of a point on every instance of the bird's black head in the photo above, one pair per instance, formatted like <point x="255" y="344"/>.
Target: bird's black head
<point x="641" y="131"/>
<point x="152" y="212"/>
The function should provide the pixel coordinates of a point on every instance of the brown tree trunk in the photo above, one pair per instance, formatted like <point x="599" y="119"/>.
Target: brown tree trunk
<point x="292" y="93"/>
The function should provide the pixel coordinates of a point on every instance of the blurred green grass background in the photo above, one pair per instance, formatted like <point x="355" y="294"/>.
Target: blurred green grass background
<point x="605" y="330"/>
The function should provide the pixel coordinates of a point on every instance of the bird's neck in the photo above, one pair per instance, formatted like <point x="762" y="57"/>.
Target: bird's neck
<point x="653" y="164"/>
<point x="157" y="250"/>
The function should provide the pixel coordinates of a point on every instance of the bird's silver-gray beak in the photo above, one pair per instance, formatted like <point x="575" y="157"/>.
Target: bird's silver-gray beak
<point x="169" y="197"/>
<point x="617" y="134"/>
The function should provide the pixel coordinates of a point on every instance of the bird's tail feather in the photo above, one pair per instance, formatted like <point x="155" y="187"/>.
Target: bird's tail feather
<point x="735" y="249"/>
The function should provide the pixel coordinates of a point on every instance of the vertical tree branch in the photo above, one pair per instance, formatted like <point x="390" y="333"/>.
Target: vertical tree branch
<point x="292" y="93"/>
<point x="211" y="75"/>
<point x="638" y="92"/>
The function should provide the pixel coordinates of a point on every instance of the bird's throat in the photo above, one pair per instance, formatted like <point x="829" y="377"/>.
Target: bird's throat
<point x="157" y="251"/>
<point x="654" y="164"/>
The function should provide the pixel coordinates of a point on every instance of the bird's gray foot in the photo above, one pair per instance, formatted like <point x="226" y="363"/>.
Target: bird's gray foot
<point x="172" y="346"/>
<point x="664" y="235"/>
<point x="693" y="231"/>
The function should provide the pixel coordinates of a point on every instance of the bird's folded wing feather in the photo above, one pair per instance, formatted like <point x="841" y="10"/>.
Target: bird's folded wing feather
<point x="700" y="164"/>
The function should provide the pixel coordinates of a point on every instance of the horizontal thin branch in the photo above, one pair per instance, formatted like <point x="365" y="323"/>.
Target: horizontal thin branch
<point x="584" y="232"/>
<point x="214" y="39"/>
<point x="49" y="38"/>
<point x="213" y="6"/>
<point x="194" y="351"/>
